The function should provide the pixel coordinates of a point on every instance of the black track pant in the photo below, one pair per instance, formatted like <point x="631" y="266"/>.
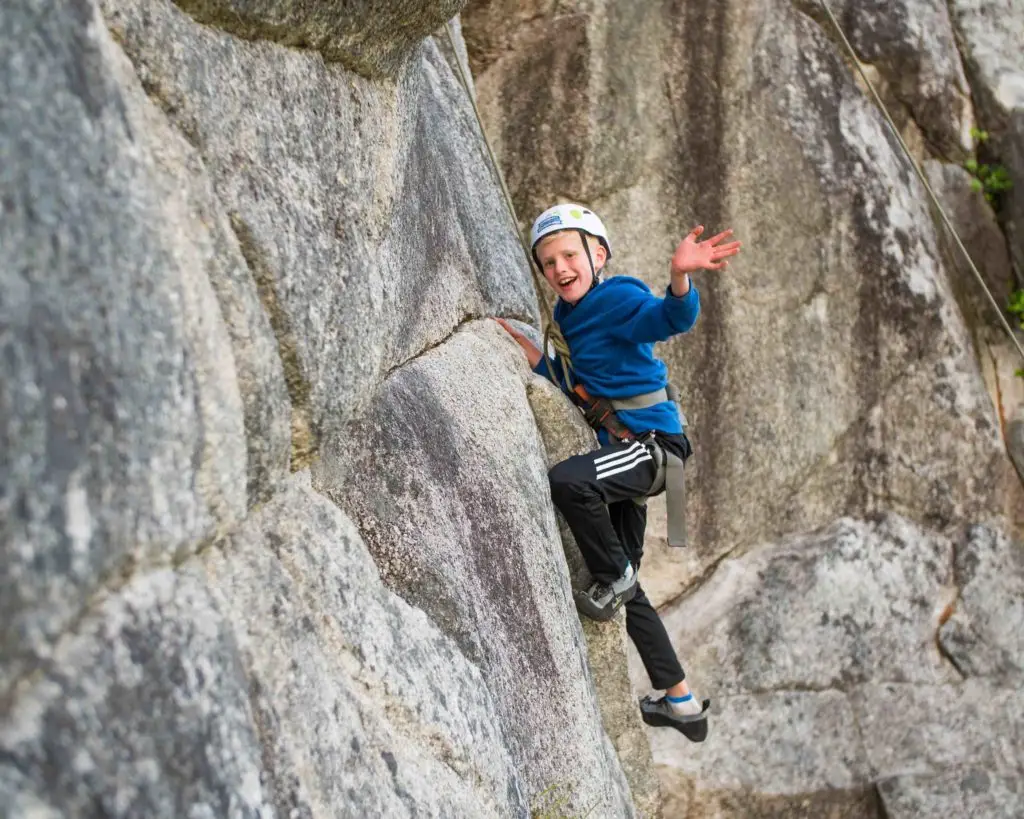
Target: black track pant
<point x="595" y="494"/>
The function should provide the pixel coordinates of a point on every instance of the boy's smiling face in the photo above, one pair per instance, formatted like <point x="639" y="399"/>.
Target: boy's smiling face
<point x="565" y="265"/>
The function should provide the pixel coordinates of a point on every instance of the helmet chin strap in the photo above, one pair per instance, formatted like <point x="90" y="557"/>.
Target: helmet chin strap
<point x="595" y="279"/>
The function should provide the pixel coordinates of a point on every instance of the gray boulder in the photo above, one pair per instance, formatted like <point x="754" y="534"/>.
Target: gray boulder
<point x="970" y="791"/>
<point x="143" y="711"/>
<point x="445" y="474"/>
<point x="272" y="675"/>
<point x="1015" y="442"/>
<point x="361" y="706"/>
<point x="217" y="252"/>
<point x="807" y="613"/>
<point x="948" y="745"/>
<point x="984" y="637"/>
<point x="370" y="37"/>
<point x="976" y="224"/>
<point x="836" y="663"/>
<point x="346" y="196"/>
<point x="912" y="44"/>
<point x="121" y="417"/>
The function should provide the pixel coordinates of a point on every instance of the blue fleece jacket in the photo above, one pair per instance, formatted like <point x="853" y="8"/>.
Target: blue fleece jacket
<point x="611" y="333"/>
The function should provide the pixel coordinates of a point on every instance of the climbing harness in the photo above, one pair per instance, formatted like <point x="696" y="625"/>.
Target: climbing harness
<point x="599" y="412"/>
<point x="920" y="175"/>
<point x="670" y="475"/>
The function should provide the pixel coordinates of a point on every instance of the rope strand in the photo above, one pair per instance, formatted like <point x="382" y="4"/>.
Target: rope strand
<point x="924" y="181"/>
<point x="552" y="333"/>
<point x="553" y="337"/>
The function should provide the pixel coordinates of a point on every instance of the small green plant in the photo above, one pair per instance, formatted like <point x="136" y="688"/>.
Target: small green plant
<point x="1015" y="308"/>
<point x="992" y="180"/>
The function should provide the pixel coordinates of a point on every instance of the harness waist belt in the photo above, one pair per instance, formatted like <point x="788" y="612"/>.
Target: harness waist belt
<point x="642" y="401"/>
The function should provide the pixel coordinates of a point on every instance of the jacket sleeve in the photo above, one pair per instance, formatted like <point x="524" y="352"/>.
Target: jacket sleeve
<point x="648" y="319"/>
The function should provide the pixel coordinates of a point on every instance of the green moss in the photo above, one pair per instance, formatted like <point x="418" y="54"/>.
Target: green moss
<point x="991" y="179"/>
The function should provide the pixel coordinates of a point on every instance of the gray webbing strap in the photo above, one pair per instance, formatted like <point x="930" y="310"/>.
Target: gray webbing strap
<point x="642" y="401"/>
<point x="671" y="476"/>
<point x="675" y="498"/>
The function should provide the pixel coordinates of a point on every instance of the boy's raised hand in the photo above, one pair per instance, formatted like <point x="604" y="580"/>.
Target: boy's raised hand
<point x="711" y="254"/>
<point x="532" y="353"/>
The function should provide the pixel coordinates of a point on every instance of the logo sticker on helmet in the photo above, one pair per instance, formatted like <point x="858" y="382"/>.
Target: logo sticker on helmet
<point x="576" y="214"/>
<point x="544" y="224"/>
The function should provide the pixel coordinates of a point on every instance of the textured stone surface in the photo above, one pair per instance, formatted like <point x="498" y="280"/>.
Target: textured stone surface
<point x="684" y="801"/>
<point x="191" y="209"/>
<point x="362" y="707"/>
<point x="1002" y="363"/>
<point x="565" y="433"/>
<point x="984" y="637"/>
<point x="912" y="44"/>
<point x="144" y="711"/>
<point x="991" y="32"/>
<point x="835" y="662"/>
<point x="976" y="224"/>
<point x="924" y="731"/>
<point x="445" y="475"/>
<point x="346" y="196"/>
<point x="222" y="248"/>
<point x="852" y="603"/>
<point x="1015" y="442"/>
<point x="831" y="360"/>
<point x="210" y="241"/>
<point x="289" y="679"/>
<point x="121" y="421"/>
<point x="966" y="791"/>
<point x="371" y="37"/>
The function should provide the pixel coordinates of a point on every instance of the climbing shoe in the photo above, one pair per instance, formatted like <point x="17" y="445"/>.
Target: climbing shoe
<point x="659" y="713"/>
<point x="602" y="600"/>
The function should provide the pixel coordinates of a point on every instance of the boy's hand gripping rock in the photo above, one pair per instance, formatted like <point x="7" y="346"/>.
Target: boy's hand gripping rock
<point x="532" y="353"/>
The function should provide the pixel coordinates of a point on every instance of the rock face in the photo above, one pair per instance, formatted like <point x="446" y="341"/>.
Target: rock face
<point x="833" y="357"/>
<point x="289" y="678"/>
<point x="991" y="32"/>
<point x="445" y="473"/>
<point x="372" y="38"/>
<point x="275" y="536"/>
<point x="912" y="45"/>
<point x="977" y="227"/>
<point x="835" y="383"/>
<point x="123" y="434"/>
<point x="222" y="257"/>
<point x="840" y="663"/>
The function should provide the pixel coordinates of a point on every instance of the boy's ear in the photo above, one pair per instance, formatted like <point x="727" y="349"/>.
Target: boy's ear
<point x="600" y="255"/>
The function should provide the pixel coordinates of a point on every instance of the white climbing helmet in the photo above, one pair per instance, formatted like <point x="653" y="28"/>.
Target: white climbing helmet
<point x="568" y="217"/>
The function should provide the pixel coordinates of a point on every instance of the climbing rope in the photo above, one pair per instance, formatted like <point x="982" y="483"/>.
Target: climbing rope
<point x="553" y="338"/>
<point x="924" y="181"/>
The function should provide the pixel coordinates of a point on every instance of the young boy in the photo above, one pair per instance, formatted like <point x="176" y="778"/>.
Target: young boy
<point x="611" y="327"/>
